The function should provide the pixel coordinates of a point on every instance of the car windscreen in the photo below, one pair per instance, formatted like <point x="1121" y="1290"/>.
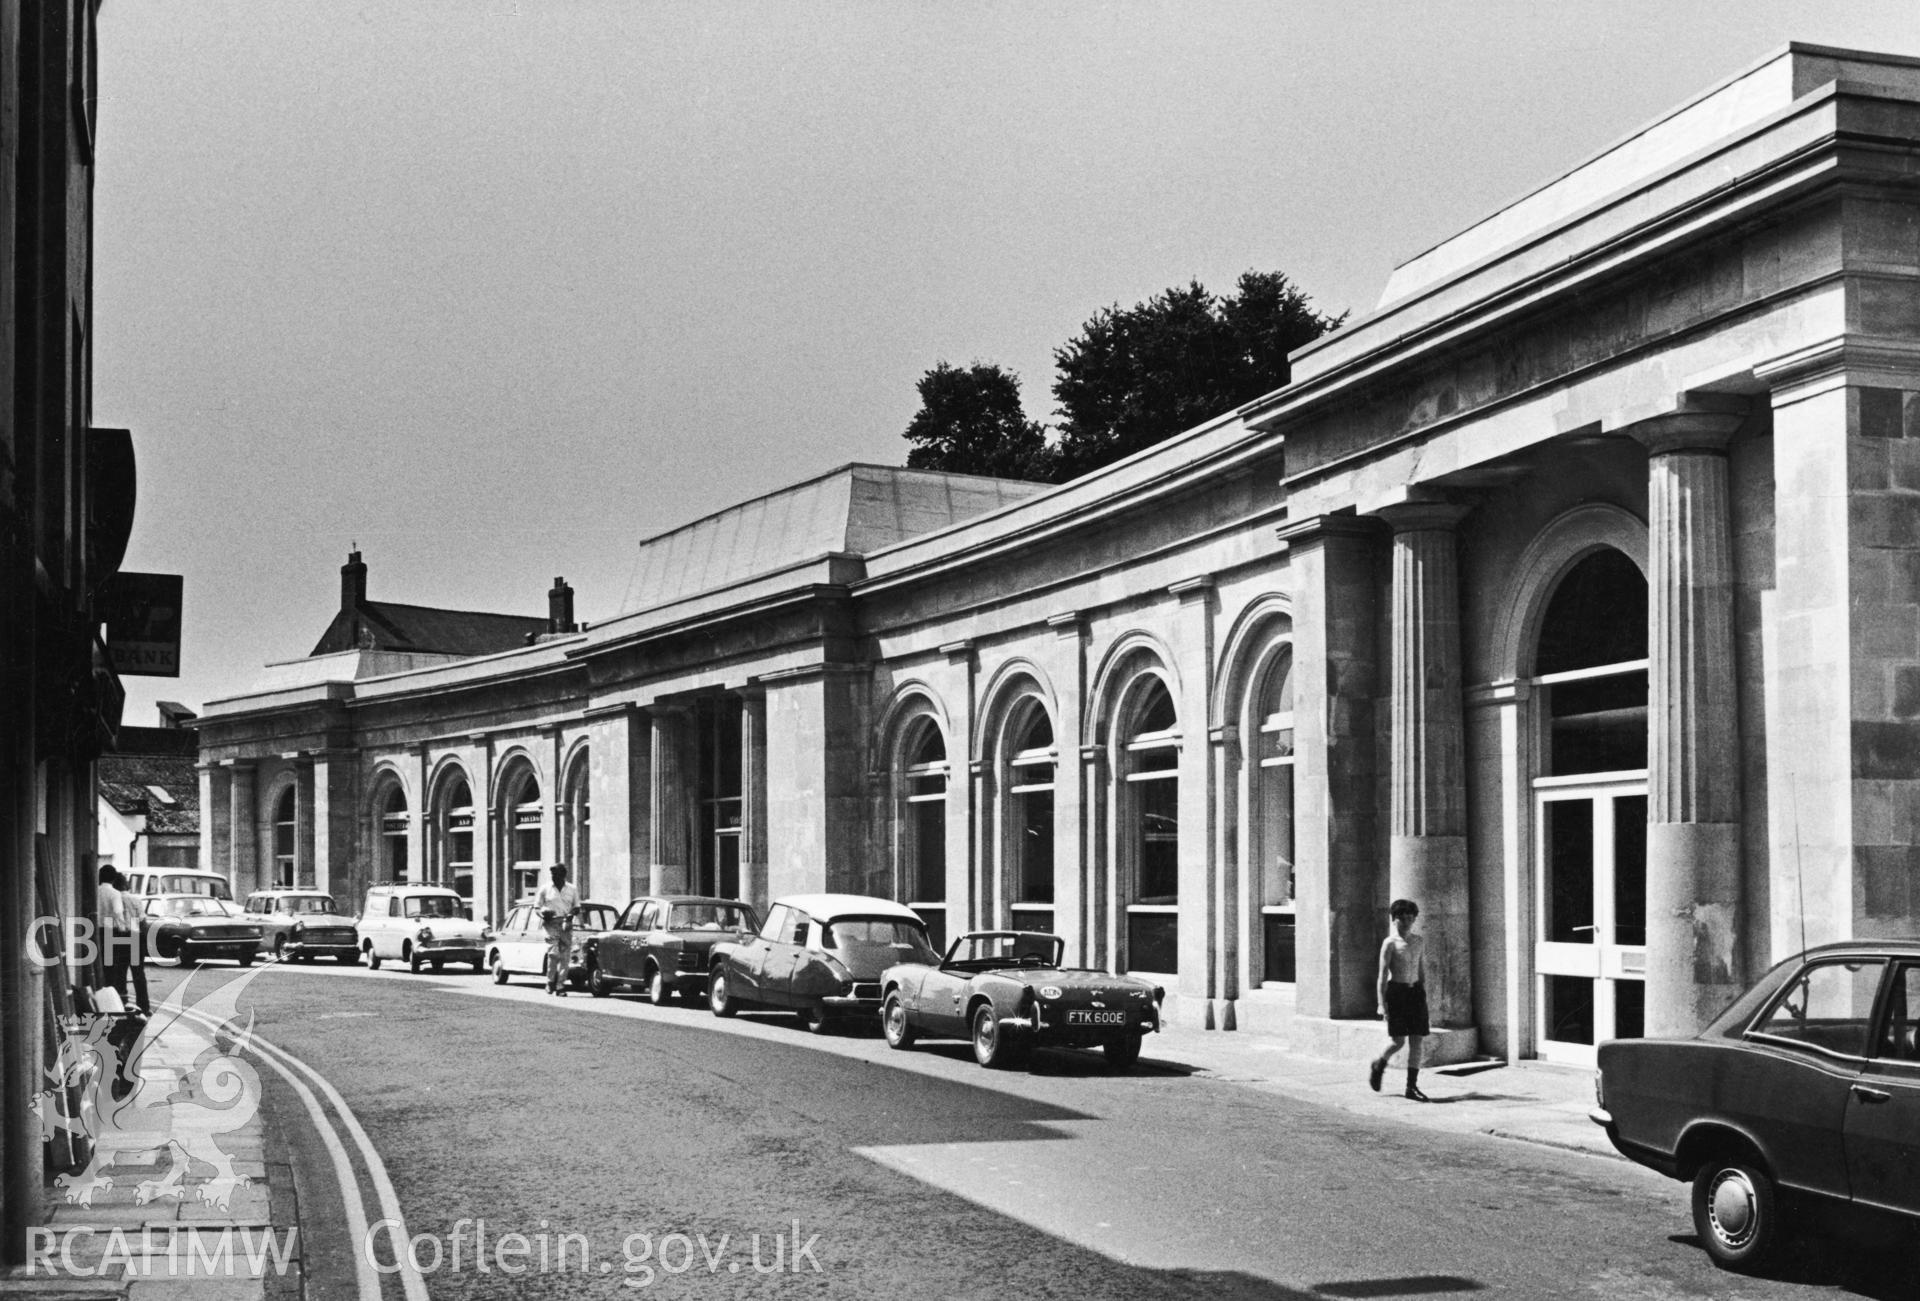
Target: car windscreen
<point x="308" y="904"/>
<point x="200" y="906"/>
<point x="855" y="936"/>
<point x="593" y="917"/>
<point x="207" y="885"/>
<point x="431" y="905"/>
<point x="710" y="917"/>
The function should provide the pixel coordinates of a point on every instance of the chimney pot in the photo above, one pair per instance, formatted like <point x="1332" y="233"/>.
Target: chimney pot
<point x="353" y="583"/>
<point x="560" y="607"/>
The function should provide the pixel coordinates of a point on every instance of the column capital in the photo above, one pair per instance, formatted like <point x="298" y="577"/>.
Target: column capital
<point x="1192" y="589"/>
<point x="1423" y="515"/>
<point x="1325" y="528"/>
<point x="1068" y="623"/>
<point x="1702" y="423"/>
<point x="958" y="650"/>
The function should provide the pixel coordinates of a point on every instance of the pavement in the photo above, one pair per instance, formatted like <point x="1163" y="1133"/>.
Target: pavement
<point x="153" y="1232"/>
<point x="129" y="1243"/>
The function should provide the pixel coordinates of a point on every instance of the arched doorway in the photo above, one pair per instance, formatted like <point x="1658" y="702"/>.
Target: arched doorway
<point x="1590" y="809"/>
<point x="920" y="822"/>
<point x="451" y="852"/>
<point x="391" y="824"/>
<point x="1146" y="765"/>
<point x="576" y="826"/>
<point x="523" y="841"/>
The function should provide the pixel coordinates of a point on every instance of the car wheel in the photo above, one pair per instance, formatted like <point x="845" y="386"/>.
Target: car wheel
<point x="597" y="982"/>
<point x="499" y="970"/>
<point x="993" y="1046"/>
<point x="1736" y="1212"/>
<point x="438" y="964"/>
<point x="813" y="1019"/>
<point x="717" y="996"/>
<point x="659" y="992"/>
<point x="246" y="959"/>
<point x="373" y="959"/>
<point x="348" y="959"/>
<point x="894" y="1024"/>
<point x="1122" y="1053"/>
<point x="479" y="965"/>
<point x="412" y="955"/>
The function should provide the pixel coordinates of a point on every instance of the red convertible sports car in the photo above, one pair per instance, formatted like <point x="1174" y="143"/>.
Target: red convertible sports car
<point x="1008" y="993"/>
<point x="1799" y="1104"/>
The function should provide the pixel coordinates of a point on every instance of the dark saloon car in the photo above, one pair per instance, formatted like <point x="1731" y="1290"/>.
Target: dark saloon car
<point x="1008" y="993"/>
<point x="819" y="954"/>
<point x="664" y="945"/>
<point x="195" y="926"/>
<point x="1801" y="1100"/>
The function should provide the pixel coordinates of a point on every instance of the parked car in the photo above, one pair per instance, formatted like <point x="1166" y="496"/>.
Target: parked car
<point x="1008" y="993"/>
<point x="1800" y="1104"/>
<point x="420" y="925"/>
<point x="303" y="924"/>
<point x="819" y="954"/>
<point x="519" y="946"/>
<point x="664" y="945"/>
<point x="191" y="927"/>
<point x="148" y="881"/>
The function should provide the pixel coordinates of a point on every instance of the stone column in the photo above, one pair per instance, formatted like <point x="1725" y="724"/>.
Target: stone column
<point x="962" y="791"/>
<point x="1100" y="922"/>
<point x="753" y="798"/>
<point x="243" y="869"/>
<point x="332" y="778"/>
<point x="303" y="822"/>
<point x="1229" y="903"/>
<point x="1204" y="947"/>
<point x="1427" y="852"/>
<point x="1693" y="762"/>
<point x="981" y="897"/>
<point x="1071" y="881"/>
<point x="669" y="853"/>
<point x="216" y="818"/>
<point x="1336" y="840"/>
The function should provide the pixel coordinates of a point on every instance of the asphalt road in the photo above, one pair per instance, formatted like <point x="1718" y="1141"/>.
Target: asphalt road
<point x="691" y="1153"/>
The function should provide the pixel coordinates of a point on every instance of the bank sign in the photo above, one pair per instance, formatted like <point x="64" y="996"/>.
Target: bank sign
<point x="142" y="614"/>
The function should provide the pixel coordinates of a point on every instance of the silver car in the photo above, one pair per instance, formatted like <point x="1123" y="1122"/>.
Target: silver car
<point x="302" y="925"/>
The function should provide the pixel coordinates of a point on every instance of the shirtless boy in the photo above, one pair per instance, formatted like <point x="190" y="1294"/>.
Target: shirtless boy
<point x="1403" y="995"/>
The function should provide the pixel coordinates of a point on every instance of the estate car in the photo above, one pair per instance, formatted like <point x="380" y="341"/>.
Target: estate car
<point x="1801" y="1100"/>
<point x="664" y="945"/>
<point x="148" y="881"/>
<point x="303" y="924"/>
<point x="819" y="954"/>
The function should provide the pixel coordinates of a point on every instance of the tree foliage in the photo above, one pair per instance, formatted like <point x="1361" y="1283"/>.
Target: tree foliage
<point x="1131" y="377"/>
<point x="971" y="422"/>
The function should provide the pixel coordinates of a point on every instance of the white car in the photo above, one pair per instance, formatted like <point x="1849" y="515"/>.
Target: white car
<point x="420" y="925"/>
<point x="150" y="881"/>
<point x="519" y="946"/>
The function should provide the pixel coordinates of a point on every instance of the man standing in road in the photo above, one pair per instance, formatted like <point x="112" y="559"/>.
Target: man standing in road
<point x="1403" y="995"/>
<point x="556" y="904"/>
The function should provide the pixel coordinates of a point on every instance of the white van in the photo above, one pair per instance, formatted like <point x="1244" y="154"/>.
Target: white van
<point x="420" y="924"/>
<point x="145" y="881"/>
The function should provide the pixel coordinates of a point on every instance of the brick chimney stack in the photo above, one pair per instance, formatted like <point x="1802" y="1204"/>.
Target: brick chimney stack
<point x="353" y="583"/>
<point x="560" y="607"/>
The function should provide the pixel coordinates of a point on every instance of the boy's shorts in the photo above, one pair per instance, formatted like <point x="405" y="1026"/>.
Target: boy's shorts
<point x="1406" y="1010"/>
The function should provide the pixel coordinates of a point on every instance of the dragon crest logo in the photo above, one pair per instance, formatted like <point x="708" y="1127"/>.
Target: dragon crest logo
<point x="170" y="1089"/>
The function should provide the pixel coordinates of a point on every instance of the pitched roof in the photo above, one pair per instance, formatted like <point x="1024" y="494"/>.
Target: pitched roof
<point x="384" y="625"/>
<point x="127" y="780"/>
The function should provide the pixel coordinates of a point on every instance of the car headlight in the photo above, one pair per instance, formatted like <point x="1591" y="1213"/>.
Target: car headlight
<point x="426" y="933"/>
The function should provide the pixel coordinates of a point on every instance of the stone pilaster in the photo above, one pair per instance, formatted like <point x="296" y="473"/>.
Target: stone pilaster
<point x="753" y="799"/>
<point x="1427" y="852"/>
<point x="243" y="869"/>
<point x="1336" y="844"/>
<point x="1693" y="773"/>
<point x="669" y="854"/>
<point x="332" y="784"/>
<point x="1205" y="949"/>
<point x="216" y="818"/>
<point x="303" y="825"/>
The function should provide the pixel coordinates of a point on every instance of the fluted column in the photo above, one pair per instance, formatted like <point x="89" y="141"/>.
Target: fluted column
<point x="670" y="851"/>
<point x="244" y="834"/>
<point x="1693" y="774"/>
<point x="1427" y="851"/>
<point x="303" y="803"/>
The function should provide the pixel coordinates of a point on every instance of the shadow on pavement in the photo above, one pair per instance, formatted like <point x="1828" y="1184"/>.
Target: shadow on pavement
<point x="1416" y="1285"/>
<point x="1880" y="1273"/>
<point x="1441" y="1099"/>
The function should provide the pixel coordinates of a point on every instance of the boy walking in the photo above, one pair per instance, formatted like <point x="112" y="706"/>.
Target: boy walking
<point x="1403" y="995"/>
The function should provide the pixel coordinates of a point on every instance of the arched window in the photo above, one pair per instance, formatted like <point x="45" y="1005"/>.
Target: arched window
<point x="452" y="860"/>
<point x="1028" y="813"/>
<point x="284" y="831"/>
<point x="525" y="851"/>
<point x="921" y="784"/>
<point x="1272" y="823"/>
<point x="1590" y="799"/>
<point x="577" y="828"/>
<point x="393" y="836"/>
<point x="1149" y="767"/>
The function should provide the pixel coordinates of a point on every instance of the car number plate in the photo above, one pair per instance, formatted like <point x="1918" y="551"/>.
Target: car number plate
<point x="1082" y="1016"/>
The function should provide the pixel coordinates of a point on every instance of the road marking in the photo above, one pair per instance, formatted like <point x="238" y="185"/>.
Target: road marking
<point x="410" y="1279"/>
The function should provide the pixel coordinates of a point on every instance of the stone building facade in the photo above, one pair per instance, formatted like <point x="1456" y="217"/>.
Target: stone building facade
<point x="1574" y="592"/>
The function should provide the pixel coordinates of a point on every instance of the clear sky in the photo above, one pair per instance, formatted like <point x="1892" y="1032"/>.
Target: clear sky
<point x="495" y="288"/>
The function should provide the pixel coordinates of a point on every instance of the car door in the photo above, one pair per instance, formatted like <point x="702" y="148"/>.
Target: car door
<point x="1883" y="1105"/>
<point x="527" y="942"/>
<point x="748" y="967"/>
<point x="615" y="950"/>
<point x="1808" y="1050"/>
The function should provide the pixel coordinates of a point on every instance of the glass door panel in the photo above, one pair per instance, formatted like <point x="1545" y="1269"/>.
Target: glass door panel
<point x="1590" y="948"/>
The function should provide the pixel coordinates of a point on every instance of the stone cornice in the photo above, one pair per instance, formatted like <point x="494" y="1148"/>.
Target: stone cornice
<point x="1844" y="358"/>
<point x="1324" y="528"/>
